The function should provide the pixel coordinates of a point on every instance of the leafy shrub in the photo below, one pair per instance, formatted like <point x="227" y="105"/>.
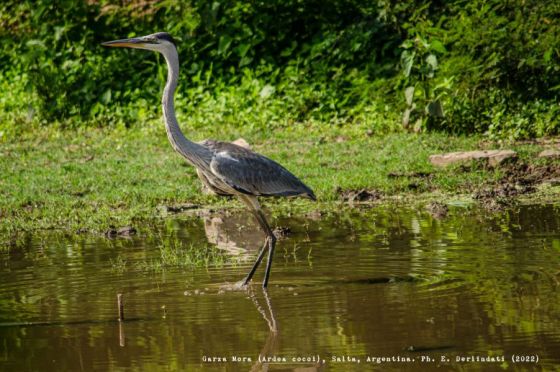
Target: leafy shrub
<point x="503" y="64"/>
<point x="460" y="66"/>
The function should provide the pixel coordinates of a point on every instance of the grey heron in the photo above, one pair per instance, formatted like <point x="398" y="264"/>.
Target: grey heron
<point x="225" y="168"/>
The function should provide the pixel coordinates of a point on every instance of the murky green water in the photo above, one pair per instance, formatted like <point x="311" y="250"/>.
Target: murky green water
<point x="377" y="283"/>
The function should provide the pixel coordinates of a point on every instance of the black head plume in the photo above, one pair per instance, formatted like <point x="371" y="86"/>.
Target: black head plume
<point x="165" y="36"/>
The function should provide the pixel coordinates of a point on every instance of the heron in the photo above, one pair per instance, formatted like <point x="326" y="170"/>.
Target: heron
<point x="224" y="168"/>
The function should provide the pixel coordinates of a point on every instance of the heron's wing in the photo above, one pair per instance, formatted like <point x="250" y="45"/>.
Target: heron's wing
<point x="253" y="174"/>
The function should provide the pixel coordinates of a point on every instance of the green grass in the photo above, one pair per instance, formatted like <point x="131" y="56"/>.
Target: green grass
<point x="174" y="254"/>
<point x="94" y="179"/>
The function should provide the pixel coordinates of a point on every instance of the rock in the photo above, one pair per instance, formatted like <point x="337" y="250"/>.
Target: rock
<point x="314" y="215"/>
<point x="361" y="195"/>
<point x="550" y="153"/>
<point x="553" y="182"/>
<point x="178" y="208"/>
<point x="493" y="157"/>
<point x="111" y="232"/>
<point x="409" y="174"/>
<point x="281" y="232"/>
<point x="123" y="231"/>
<point x="437" y="210"/>
<point x="126" y="231"/>
<point x="241" y="142"/>
<point x="87" y="159"/>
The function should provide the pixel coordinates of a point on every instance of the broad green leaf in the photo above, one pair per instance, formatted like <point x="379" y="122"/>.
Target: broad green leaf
<point x="547" y="55"/>
<point x="406" y="118"/>
<point x="224" y="43"/>
<point x="106" y="97"/>
<point x="438" y="46"/>
<point x="34" y="43"/>
<point x="408" y="61"/>
<point x="431" y="60"/>
<point x="243" y="49"/>
<point x="435" y="109"/>
<point x="409" y="95"/>
<point x="267" y="91"/>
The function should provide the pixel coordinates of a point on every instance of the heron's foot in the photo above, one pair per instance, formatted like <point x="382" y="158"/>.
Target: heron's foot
<point x="237" y="286"/>
<point x="242" y="284"/>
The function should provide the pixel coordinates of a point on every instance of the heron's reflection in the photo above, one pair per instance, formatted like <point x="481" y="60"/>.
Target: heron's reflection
<point x="234" y="233"/>
<point x="237" y="234"/>
<point x="270" y="347"/>
<point x="268" y="313"/>
<point x="271" y="344"/>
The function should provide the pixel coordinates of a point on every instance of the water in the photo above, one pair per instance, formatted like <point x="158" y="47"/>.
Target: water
<point x="373" y="282"/>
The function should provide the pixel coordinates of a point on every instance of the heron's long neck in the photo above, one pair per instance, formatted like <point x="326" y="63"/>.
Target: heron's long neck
<point x="196" y="154"/>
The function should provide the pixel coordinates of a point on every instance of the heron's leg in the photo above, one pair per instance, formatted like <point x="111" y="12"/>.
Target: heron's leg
<point x="270" y="241"/>
<point x="271" y="244"/>
<point x="256" y="264"/>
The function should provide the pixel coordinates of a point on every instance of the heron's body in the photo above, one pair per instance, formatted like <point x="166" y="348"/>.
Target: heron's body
<point x="235" y="170"/>
<point x="225" y="168"/>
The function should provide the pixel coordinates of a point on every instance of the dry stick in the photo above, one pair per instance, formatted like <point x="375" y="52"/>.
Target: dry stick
<point x="120" y="304"/>
<point x="121" y="334"/>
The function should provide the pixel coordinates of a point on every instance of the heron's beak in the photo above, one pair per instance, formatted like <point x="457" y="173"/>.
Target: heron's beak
<point x="125" y="43"/>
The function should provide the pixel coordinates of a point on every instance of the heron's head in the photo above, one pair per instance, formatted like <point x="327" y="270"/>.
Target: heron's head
<point x="159" y="42"/>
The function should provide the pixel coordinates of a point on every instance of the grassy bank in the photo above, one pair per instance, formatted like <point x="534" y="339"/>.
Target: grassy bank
<point x="91" y="180"/>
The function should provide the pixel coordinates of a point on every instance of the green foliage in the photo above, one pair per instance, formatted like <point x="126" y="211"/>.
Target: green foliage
<point x="503" y="64"/>
<point x="420" y="64"/>
<point x="459" y="66"/>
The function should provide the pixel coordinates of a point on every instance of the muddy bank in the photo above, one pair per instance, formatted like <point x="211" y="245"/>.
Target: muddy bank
<point x="514" y="178"/>
<point x="518" y="179"/>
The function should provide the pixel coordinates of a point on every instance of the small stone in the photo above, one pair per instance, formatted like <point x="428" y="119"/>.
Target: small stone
<point x="126" y="231"/>
<point x="493" y="157"/>
<point x="87" y="158"/>
<point x="314" y="215"/>
<point x="241" y="142"/>
<point x="111" y="233"/>
<point x="281" y="232"/>
<point x="437" y="210"/>
<point x="553" y="182"/>
<point x="550" y="153"/>
<point x="361" y="195"/>
<point x="177" y="208"/>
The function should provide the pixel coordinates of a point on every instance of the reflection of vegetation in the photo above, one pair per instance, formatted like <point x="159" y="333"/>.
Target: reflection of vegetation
<point x="174" y="253"/>
<point x="118" y="264"/>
